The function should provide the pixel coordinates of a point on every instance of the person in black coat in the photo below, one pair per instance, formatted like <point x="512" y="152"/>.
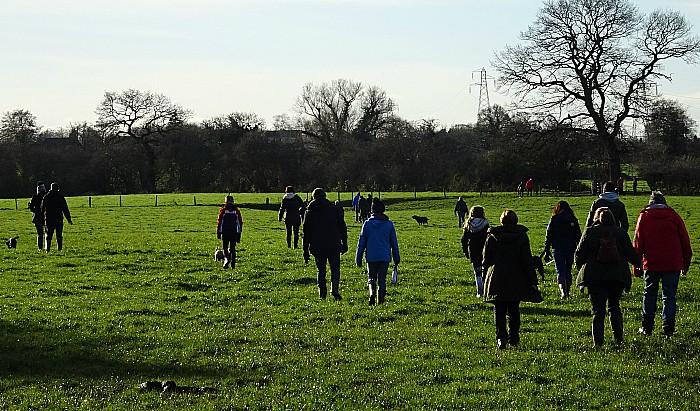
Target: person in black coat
<point x="38" y="217"/>
<point x="563" y="234"/>
<point x="54" y="207"/>
<point x="611" y="200"/>
<point x="291" y="210"/>
<point x="473" y="240"/>
<point x="510" y="274"/>
<point x="326" y="237"/>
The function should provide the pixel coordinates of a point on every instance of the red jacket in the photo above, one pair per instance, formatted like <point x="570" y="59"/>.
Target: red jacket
<point x="662" y="241"/>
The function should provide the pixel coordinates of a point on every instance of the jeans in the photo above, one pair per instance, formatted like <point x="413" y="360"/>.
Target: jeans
<point x="563" y="261"/>
<point x="376" y="273"/>
<point x="511" y="310"/>
<point x="669" y="285"/>
<point x="333" y="261"/>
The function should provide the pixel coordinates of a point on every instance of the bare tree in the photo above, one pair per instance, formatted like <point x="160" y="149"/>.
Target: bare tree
<point x="19" y="126"/>
<point x="590" y="64"/>
<point x="342" y="108"/>
<point x="143" y="117"/>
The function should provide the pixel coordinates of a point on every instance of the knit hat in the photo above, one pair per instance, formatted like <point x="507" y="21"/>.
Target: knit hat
<point x="54" y="187"/>
<point x="40" y="187"/>
<point x="377" y="206"/>
<point x="657" y="198"/>
<point x="229" y="199"/>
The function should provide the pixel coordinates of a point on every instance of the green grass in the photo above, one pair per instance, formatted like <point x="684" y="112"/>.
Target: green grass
<point x="136" y="296"/>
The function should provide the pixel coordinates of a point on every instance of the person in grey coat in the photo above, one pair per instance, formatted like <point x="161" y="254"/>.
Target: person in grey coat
<point x="510" y="274"/>
<point x="605" y="278"/>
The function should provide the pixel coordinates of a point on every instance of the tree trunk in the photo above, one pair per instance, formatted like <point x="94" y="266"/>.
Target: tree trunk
<point x="149" y="179"/>
<point x="613" y="156"/>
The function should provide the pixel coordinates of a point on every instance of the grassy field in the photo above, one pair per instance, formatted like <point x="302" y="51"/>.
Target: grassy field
<point x="136" y="296"/>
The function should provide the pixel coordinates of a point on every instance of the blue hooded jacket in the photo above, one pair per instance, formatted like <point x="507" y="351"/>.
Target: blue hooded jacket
<point x="378" y="240"/>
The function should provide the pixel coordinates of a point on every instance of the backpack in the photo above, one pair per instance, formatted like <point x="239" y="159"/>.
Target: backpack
<point x="607" y="250"/>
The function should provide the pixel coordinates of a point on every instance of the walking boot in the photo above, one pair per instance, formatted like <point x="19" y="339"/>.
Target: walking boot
<point x="567" y="288"/>
<point x="382" y="294"/>
<point x="669" y="327"/>
<point x="372" y="294"/>
<point x="647" y="325"/>
<point x="322" y="291"/>
<point x="334" y="291"/>
<point x="616" y="325"/>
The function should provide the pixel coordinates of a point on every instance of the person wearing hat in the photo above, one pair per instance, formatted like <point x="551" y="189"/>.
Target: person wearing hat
<point x="326" y="237"/>
<point x="54" y="207"/>
<point x="291" y="210"/>
<point x="379" y="244"/>
<point x="38" y="217"/>
<point x="229" y="226"/>
<point x="662" y="241"/>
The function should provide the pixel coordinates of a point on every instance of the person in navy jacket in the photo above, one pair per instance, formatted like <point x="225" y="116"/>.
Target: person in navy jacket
<point x="379" y="245"/>
<point x="229" y="226"/>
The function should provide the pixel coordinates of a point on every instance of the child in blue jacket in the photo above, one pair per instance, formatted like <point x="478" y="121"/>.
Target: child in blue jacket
<point x="379" y="244"/>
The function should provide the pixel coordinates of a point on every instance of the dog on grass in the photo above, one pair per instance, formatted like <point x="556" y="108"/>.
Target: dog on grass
<point x="420" y="220"/>
<point x="11" y="242"/>
<point x="219" y="255"/>
<point x="539" y="267"/>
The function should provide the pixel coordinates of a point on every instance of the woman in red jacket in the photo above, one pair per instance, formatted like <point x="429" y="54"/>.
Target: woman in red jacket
<point x="662" y="241"/>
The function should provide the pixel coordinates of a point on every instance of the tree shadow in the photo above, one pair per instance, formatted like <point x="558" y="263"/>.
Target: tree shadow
<point x="538" y="310"/>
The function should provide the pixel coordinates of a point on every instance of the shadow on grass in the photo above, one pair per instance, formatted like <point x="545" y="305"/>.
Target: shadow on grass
<point x="537" y="310"/>
<point x="31" y="350"/>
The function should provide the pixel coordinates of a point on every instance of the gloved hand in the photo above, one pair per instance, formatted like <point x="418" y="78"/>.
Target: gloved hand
<point x="218" y="235"/>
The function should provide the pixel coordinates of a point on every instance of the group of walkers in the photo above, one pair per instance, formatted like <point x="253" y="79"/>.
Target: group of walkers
<point x="505" y="274"/>
<point x="49" y="209"/>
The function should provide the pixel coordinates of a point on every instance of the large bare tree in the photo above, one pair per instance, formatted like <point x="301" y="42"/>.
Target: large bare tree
<point x="591" y="64"/>
<point x="144" y="117"/>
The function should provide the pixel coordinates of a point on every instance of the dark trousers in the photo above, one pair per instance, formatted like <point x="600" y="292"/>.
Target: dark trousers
<point x="292" y="226"/>
<point x="333" y="261"/>
<point x="39" y="236"/>
<point x="228" y="244"/>
<point x="507" y="312"/>
<point x="602" y="294"/>
<point x="58" y="228"/>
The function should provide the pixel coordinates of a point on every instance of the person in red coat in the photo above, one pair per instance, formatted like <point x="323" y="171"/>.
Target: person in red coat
<point x="662" y="241"/>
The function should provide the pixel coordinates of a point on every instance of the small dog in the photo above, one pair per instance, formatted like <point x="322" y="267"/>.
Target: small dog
<point x="171" y="386"/>
<point x="420" y="220"/>
<point x="539" y="267"/>
<point x="219" y="255"/>
<point x="12" y="242"/>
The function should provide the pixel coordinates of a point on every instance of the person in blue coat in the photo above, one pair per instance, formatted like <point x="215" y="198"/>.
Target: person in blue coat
<point x="379" y="244"/>
<point x="563" y="234"/>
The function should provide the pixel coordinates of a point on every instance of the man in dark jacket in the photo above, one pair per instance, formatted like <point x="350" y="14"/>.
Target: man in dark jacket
<point x="611" y="200"/>
<point x="54" y="207"/>
<point x="662" y="241"/>
<point x="461" y="211"/>
<point x="326" y="237"/>
<point x="291" y="210"/>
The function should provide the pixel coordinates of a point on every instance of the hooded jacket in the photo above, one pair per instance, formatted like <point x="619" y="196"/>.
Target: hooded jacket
<point x="229" y="221"/>
<point x="586" y="256"/>
<point x="662" y="240"/>
<point x="291" y="209"/>
<point x="612" y="201"/>
<point x="474" y="238"/>
<point x="508" y="264"/>
<point x="325" y="231"/>
<point x="563" y="232"/>
<point x="378" y="240"/>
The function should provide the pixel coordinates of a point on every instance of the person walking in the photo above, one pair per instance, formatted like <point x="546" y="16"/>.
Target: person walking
<point x="529" y="186"/>
<point x="601" y="257"/>
<point x="325" y="237"/>
<point x="54" y="207"/>
<point x="229" y="226"/>
<point x="610" y="199"/>
<point x="379" y="244"/>
<point x="461" y="211"/>
<point x="291" y="210"/>
<point x="563" y="235"/>
<point x="662" y="241"/>
<point x="38" y="217"/>
<point x="473" y="240"/>
<point x="510" y="274"/>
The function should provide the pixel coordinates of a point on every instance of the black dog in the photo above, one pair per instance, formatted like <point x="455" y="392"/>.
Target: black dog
<point x="420" y="220"/>
<point x="539" y="267"/>
<point x="12" y="242"/>
<point x="170" y="386"/>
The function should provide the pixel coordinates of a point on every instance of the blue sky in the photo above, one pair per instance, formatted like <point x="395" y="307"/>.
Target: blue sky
<point x="215" y="57"/>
